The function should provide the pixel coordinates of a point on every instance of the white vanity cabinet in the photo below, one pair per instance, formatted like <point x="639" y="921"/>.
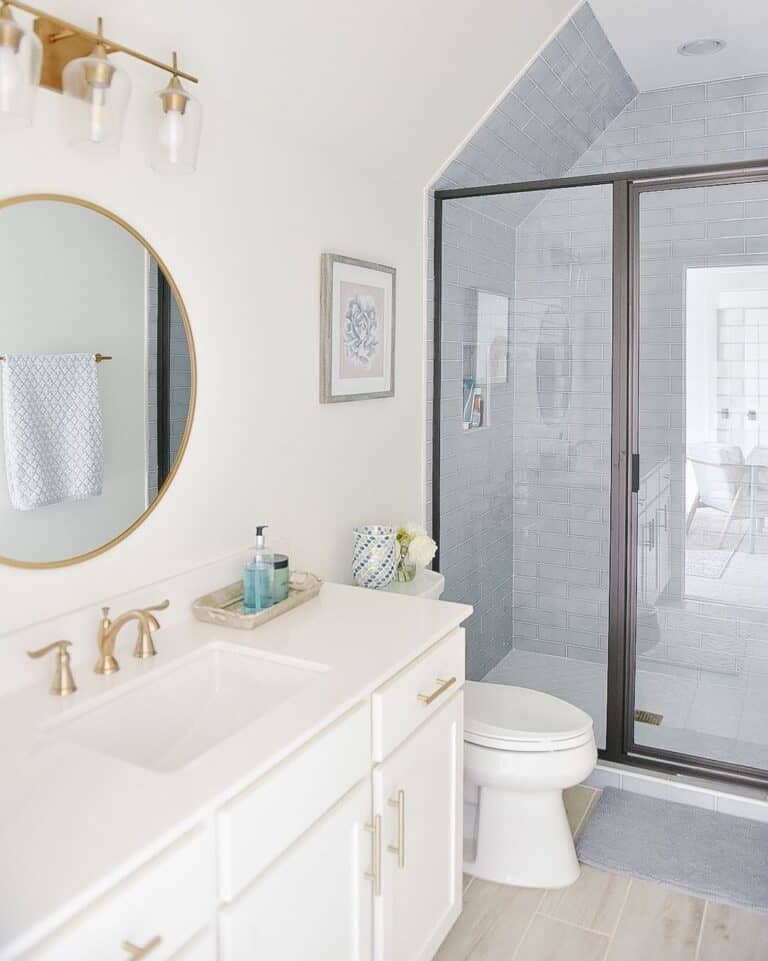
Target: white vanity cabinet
<point x="160" y="908"/>
<point x="315" y="900"/>
<point x="378" y="875"/>
<point x="348" y="849"/>
<point x="417" y="793"/>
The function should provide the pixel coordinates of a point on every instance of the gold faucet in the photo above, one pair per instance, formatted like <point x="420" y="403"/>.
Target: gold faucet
<point x="63" y="682"/>
<point x="108" y="631"/>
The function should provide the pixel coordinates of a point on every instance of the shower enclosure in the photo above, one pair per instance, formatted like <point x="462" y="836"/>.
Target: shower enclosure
<point x="600" y="480"/>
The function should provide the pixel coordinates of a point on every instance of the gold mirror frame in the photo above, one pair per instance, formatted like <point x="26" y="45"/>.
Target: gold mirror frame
<point x="80" y="558"/>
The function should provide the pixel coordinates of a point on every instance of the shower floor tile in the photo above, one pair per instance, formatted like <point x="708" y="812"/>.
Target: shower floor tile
<point x="701" y="716"/>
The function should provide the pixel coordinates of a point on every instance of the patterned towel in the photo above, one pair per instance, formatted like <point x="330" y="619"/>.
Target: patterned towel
<point x="54" y="445"/>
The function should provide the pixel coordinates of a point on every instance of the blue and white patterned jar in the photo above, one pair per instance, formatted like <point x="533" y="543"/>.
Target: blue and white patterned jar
<point x="373" y="556"/>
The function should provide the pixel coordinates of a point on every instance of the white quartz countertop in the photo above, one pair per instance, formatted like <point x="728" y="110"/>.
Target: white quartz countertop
<point x="73" y="822"/>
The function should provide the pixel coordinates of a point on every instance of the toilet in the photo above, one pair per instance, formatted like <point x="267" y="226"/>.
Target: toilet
<point x="522" y="748"/>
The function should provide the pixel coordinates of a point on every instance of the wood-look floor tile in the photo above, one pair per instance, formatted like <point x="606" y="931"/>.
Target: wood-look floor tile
<point x="657" y="922"/>
<point x="578" y="800"/>
<point x="734" y="934"/>
<point x="594" y="901"/>
<point x="550" y="940"/>
<point x="492" y="924"/>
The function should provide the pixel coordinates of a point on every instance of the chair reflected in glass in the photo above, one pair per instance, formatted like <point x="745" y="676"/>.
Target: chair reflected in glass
<point x="728" y="483"/>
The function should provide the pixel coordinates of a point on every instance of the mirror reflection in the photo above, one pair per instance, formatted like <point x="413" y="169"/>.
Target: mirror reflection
<point x="98" y="380"/>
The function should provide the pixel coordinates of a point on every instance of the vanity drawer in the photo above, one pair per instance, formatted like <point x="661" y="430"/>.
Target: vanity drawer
<point x="413" y="695"/>
<point x="171" y="898"/>
<point x="258" y="825"/>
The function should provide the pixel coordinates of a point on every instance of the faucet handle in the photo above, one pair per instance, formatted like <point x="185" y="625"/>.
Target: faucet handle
<point x="145" y="646"/>
<point x="162" y="606"/>
<point x="63" y="682"/>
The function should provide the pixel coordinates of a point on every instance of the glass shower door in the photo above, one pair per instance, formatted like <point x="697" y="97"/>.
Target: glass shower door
<point x="525" y="436"/>
<point x="701" y="652"/>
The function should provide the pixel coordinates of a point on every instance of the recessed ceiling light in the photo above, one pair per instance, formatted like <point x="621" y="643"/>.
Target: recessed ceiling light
<point x="701" y="48"/>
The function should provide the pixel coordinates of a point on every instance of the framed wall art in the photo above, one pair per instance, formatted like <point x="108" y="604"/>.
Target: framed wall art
<point x="357" y="330"/>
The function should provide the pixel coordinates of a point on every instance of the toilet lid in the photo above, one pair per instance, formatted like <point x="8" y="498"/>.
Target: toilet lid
<point x="509" y="713"/>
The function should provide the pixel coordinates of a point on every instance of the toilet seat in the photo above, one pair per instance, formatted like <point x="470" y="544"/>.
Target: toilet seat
<point x="511" y="718"/>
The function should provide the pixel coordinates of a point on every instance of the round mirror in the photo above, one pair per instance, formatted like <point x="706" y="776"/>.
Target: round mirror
<point x="98" y="380"/>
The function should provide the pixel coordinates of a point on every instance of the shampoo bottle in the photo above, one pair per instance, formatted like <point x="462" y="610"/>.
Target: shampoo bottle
<point x="258" y="576"/>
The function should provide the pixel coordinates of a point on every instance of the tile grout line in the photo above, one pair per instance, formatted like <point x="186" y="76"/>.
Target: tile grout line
<point x="620" y="915"/>
<point x="528" y="926"/>
<point x="699" y="940"/>
<point x="571" y="924"/>
<point x="595" y="797"/>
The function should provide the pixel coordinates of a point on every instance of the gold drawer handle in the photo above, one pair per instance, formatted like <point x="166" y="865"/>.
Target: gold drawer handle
<point x="375" y="874"/>
<point x="137" y="953"/>
<point x="399" y="848"/>
<point x="443" y="686"/>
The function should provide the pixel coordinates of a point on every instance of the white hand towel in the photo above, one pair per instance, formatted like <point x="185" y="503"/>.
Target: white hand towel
<point x="54" y="444"/>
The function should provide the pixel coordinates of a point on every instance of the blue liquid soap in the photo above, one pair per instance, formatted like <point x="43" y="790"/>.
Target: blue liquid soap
<point x="259" y="576"/>
<point x="257" y="588"/>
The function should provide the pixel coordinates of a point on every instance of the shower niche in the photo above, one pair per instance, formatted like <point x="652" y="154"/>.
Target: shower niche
<point x="484" y="359"/>
<point x="475" y="394"/>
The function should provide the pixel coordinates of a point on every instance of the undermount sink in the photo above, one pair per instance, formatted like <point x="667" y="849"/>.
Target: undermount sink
<point x="170" y="718"/>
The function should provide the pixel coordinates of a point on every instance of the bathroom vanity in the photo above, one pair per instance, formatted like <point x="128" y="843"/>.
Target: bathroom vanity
<point x="243" y="795"/>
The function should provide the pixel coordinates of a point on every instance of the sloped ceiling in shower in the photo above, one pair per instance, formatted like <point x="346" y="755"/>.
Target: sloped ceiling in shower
<point x="550" y="118"/>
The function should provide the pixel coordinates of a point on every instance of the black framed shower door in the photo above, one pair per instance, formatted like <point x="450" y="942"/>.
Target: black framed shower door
<point x="626" y="469"/>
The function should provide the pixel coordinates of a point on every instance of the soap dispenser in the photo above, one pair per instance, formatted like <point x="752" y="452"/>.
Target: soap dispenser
<point x="258" y="576"/>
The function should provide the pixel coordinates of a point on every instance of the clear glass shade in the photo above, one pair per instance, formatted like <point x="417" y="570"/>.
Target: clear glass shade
<point x="21" y="59"/>
<point x="97" y="95"/>
<point x="177" y="131"/>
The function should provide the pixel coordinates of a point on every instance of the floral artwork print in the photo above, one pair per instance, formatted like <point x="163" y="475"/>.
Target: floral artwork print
<point x="361" y="330"/>
<point x="357" y="330"/>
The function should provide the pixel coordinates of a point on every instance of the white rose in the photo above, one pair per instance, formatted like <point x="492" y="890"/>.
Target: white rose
<point x="422" y="550"/>
<point x="413" y="530"/>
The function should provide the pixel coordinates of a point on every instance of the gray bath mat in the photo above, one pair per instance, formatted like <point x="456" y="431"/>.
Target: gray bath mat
<point x="704" y="853"/>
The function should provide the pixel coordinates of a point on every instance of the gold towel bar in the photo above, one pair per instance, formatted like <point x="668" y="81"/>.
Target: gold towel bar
<point x="99" y="357"/>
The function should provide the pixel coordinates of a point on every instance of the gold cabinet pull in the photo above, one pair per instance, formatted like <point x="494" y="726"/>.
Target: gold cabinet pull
<point x="399" y="848"/>
<point x="375" y="874"/>
<point x="442" y="687"/>
<point x="137" y="953"/>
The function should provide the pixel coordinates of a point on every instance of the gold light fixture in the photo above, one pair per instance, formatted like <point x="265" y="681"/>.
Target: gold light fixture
<point x="20" y="63"/>
<point x="97" y="97"/>
<point x="61" y="56"/>
<point x="177" y="136"/>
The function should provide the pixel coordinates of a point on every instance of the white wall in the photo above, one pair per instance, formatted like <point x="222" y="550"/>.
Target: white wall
<point x="323" y="123"/>
<point x="73" y="280"/>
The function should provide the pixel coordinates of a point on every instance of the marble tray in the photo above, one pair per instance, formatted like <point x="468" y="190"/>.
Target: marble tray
<point x="225" y="606"/>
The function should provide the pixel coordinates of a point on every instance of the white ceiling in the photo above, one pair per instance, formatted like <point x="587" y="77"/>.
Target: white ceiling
<point x="646" y="35"/>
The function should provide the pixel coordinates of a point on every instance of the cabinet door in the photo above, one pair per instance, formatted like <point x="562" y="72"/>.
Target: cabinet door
<point x="418" y="794"/>
<point x="314" y="901"/>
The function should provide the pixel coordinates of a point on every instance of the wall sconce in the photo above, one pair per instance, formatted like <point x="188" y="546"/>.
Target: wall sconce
<point x="63" y="57"/>
<point x="21" y="58"/>
<point x="97" y="94"/>
<point x="177" y="136"/>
